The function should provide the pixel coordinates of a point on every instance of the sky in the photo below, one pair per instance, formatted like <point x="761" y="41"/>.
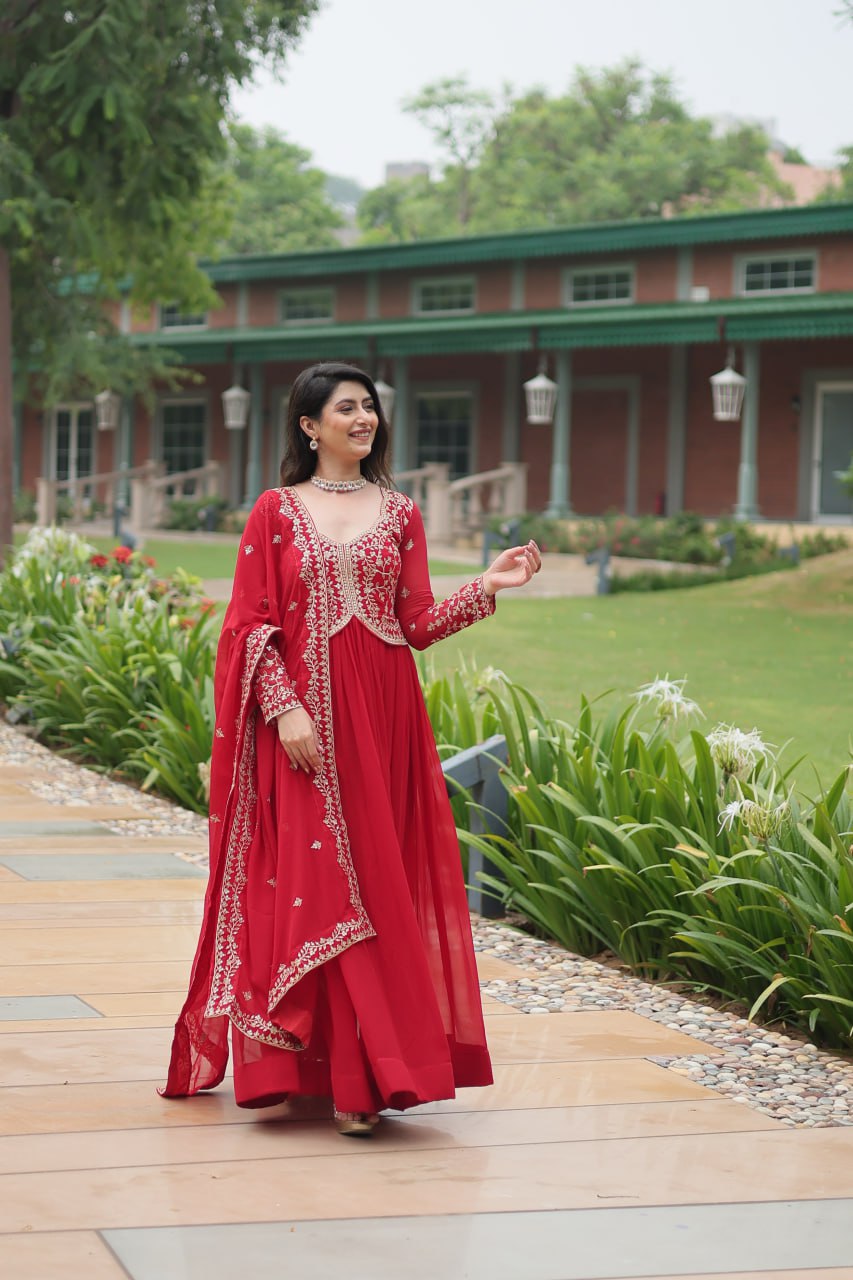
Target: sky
<point x="785" y="61"/>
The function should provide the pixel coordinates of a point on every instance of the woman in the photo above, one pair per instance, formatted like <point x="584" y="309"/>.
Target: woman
<point x="336" y="940"/>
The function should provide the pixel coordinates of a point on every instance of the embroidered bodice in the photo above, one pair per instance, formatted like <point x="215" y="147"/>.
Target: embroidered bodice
<point x="381" y="579"/>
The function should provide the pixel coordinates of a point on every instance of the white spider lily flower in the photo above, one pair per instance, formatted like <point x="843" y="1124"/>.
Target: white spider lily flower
<point x="668" y="698"/>
<point x="730" y="815"/>
<point x="737" y="753"/>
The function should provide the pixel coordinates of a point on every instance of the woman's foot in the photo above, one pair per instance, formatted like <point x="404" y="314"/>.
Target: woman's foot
<point x="355" y="1124"/>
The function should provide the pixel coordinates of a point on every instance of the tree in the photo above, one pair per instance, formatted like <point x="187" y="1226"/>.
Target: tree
<point x="279" y="203"/>
<point x="619" y="144"/>
<point x="111" y="130"/>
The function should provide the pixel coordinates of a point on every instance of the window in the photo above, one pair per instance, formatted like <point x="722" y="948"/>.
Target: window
<point x="183" y="447"/>
<point x="777" y="273"/>
<point x="444" y="297"/>
<point x="300" y="306"/>
<point x="171" y="317"/>
<point x="444" y="430"/>
<point x="600" y="285"/>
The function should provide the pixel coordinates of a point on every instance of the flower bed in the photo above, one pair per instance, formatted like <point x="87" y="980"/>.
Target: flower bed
<point x="108" y="661"/>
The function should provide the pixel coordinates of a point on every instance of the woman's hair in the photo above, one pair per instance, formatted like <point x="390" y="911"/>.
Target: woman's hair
<point x="312" y="390"/>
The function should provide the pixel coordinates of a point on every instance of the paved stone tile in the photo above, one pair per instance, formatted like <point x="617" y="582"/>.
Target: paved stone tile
<point x="61" y="1255"/>
<point x="291" y="1135"/>
<point x="741" y="1169"/>
<point x="24" y="1008"/>
<point x="81" y="866"/>
<point x="603" y="1244"/>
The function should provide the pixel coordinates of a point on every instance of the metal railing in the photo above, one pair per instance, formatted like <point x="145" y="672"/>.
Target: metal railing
<point x="477" y="771"/>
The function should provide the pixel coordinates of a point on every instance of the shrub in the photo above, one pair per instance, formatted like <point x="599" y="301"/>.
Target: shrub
<point x="684" y="855"/>
<point x="24" y="507"/>
<point x="108" y="661"/>
<point x="194" y="514"/>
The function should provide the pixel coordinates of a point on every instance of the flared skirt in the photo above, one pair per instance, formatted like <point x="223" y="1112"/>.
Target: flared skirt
<point x="397" y="1018"/>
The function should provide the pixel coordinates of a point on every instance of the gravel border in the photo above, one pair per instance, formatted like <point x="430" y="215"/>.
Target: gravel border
<point x="782" y="1076"/>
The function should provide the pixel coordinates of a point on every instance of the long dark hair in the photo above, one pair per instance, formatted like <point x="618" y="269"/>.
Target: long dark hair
<point x="312" y="390"/>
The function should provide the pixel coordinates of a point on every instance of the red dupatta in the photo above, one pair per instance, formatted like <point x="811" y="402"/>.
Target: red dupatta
<point x="279" y="598"/>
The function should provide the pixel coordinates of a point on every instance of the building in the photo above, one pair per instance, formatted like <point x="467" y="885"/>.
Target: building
<point x="631" y="319"/>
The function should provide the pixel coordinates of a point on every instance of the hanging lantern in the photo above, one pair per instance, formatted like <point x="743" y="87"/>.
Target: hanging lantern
<point x="107" y="406"/>
<point x="387" y="396"/>
<point x="235" y="406"/>
<point x="540" y="394"/>
<point x="727" y="389"/>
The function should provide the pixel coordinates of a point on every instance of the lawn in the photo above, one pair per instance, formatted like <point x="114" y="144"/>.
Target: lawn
<point x="774" y="652"/>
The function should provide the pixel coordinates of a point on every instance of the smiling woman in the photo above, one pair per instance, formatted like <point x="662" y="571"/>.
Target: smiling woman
<point x="336" y="943"/>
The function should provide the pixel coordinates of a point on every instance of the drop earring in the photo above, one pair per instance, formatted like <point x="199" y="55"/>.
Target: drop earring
<point x="313" y="444"/>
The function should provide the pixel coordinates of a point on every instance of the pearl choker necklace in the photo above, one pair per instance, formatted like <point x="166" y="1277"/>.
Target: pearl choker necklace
<point x="338" y="486"/>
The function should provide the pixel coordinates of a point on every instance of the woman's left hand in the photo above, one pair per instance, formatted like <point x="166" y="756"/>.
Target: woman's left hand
<point x="513" y="568"/>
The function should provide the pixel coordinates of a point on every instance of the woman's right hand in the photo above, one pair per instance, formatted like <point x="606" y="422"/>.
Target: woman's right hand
<point x="296" y="734"/>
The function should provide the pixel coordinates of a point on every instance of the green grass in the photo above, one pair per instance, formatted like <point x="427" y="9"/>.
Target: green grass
<point x="773" y="652"/>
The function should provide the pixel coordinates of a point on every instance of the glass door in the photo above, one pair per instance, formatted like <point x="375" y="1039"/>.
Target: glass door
<point x="833" y="450"/>
<point x="73" y="451"/>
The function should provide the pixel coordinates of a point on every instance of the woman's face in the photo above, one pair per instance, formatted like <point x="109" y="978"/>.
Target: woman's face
<point x="347" y="424"/>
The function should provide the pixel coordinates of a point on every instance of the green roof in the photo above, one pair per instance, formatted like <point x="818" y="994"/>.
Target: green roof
<point x="516" y="246"/>
<point x="746" y="319"/>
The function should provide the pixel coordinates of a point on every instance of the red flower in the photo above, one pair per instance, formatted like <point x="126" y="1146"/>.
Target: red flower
<point x="186" y="623"/>
<point x="122" y="554"/>
<point x="74" y="580"/>
<point x="99" y="561"/>
<point x="149" y="561"/>
<point x="635" y="541"/>
<point x="207" y="605"/>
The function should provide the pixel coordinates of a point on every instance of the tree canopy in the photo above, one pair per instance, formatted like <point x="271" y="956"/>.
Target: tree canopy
<point x="620" y="144"/>
<point x="111" y="144"/>
<point x="279" y="202"/>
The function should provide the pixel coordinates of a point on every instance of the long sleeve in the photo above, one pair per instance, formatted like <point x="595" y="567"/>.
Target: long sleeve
<point x="423" y="621"/>
<point x="273" y="687"/>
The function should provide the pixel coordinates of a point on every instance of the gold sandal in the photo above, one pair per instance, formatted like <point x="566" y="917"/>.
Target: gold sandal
<point x="355" y="1124"/>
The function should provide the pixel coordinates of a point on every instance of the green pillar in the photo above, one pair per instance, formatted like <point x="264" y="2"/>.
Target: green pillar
<point x="676" y="429"/>
<point x="255" y="465"/>
<point x="124" y="447"/>
<point x="559" y="504"/>
<point x="747" y="476"/>
<point x="402" y="453"/>
<point x="510" y="442"/>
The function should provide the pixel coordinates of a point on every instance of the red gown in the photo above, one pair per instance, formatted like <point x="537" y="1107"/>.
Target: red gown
<point x="336" y="942"/>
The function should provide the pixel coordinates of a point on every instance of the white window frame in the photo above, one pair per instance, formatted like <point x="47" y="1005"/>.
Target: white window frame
<point x="188" y="399"/>
<point x="177" y="328"/>
<point x="449" y="391"/>
<point x="743" y="260"/>
<point x="325" y="289"/>
<point x="74" y="408"/>
<point x="627" y="268"/>
<point x="431" y="281"/>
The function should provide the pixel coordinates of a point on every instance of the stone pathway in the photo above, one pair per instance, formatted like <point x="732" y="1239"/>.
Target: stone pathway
<point x="600" y="1152"/>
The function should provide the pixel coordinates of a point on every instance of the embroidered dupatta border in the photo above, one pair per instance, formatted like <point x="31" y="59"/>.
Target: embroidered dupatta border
<point x="312" y="571"/>
<point x="222" y="998"/>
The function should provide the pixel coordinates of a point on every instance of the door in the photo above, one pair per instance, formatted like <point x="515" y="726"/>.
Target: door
<point x="444" y="428"/>
<point x="833" y="450"/>
<point x="73" y="444"/>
